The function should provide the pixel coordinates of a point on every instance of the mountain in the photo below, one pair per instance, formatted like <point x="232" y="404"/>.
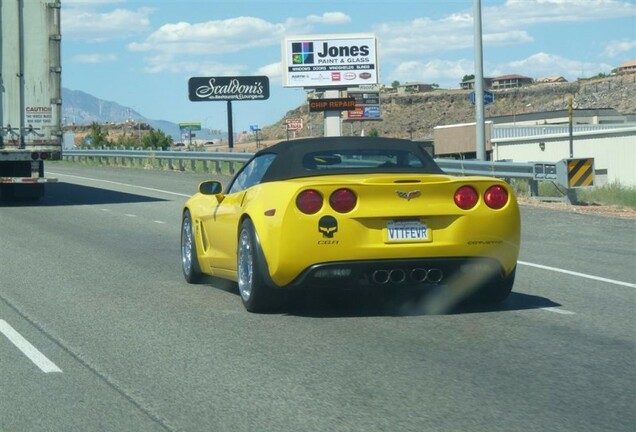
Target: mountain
<point x="81" y="108"/>
<point x="405" y="116"/>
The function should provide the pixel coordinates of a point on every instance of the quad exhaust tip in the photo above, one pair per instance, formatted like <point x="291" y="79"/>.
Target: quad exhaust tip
<point x="396" y="276"/>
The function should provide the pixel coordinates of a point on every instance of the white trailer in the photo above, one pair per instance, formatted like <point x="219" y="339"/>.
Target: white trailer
<point x="30" y="95"/>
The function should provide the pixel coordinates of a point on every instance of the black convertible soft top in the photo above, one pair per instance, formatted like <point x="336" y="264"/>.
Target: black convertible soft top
<point x="308" y="157"/>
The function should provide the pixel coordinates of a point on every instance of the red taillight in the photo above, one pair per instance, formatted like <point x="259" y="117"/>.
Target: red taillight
<point x="343" y="200"/>
<point x="466" y="197"/>
<point x="35" y="156"/>
<point x="496" y="197"/>
<point x="309" y="201"/>
<point x="44" y="156"/>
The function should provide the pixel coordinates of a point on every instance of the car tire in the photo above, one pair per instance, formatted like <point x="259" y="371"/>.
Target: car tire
<point x="255" y="294"/>
<point x="189" y="256"/>
<point x="498" y="289"/>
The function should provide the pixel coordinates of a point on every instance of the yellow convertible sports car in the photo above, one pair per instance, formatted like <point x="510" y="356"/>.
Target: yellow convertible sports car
<point x="352" y="212"/>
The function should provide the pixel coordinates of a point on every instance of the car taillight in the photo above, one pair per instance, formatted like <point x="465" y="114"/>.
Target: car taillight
<point x="309" y="201"/>
<point x="496" y="197"/>
<point x="466" y="197"/>
<point x="343" y="200"/>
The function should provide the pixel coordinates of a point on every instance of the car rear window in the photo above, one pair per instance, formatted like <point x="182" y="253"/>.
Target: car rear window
<point x="362" y="159"/>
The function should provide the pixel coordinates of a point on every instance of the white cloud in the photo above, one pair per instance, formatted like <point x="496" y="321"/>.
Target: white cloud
<point x="306" y="25"/>
<point x="329" y="18"/>
<point x="192" y="67"/>
<point x="502" y="25"/>
<point x="94" y="58"/>
<point x="543" y="64"/>
<point x="212" y="37"/>
<point x="446" y="73"/>
<point x="94" y="26"/>
<point x="616" y="48"/>
<point x="516" y="13"/>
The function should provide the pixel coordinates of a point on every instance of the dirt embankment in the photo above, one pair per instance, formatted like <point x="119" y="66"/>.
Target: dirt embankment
<point x="415" y="115"/>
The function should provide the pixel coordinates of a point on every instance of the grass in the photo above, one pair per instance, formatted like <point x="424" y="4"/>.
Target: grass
<point x="613" y="194"/>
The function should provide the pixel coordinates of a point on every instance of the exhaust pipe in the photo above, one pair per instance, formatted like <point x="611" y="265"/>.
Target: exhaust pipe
<point x="419" y="274"/>
<point x="397" y="276"/>
<point x="435" y="275"/>
<point x="380" y="276"/>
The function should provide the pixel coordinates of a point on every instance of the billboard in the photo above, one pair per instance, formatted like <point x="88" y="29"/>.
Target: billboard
<point x="330" y="60"/>
<point x="201" y="89"/>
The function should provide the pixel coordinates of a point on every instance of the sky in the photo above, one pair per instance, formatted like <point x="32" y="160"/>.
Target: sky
<point x="141" y="54"/>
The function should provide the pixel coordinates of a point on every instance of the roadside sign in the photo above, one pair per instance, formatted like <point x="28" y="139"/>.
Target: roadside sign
<point x="294" y="124"/>
<point x="190" y="126"/>
<point x="489" y="97"/>
<point x="335" y="60"/>
<point x="333" y="104"/>
<point x="237" y="88"/>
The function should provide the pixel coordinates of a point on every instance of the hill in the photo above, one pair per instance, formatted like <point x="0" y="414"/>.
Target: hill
<point x="79" y="108"/>
<point x="415" y="115"/>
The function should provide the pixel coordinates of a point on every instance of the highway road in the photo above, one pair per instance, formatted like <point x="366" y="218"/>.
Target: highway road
<point x="100" y="332"/>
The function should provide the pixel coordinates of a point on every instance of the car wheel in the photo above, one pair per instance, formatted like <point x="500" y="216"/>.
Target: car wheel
<point x="498" y="290"/>
<point x="255" y="294"/>
<point x="189" y="257"/>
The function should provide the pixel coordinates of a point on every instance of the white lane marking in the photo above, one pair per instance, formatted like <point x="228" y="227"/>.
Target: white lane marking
<point x="130" y="215"/>
<point x="121" y="184"/>
<point x="583" y="275"/>
<point x="159" y="222"/>
<point x="559" y="311"/>
<point x="39" y="359"/>
<point x="107" y="210"/>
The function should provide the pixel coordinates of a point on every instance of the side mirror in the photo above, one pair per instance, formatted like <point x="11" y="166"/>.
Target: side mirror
<point x="210" y="187"/>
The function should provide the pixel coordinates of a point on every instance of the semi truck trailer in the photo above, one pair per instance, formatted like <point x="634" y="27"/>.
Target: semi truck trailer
<point x="30" y="95"/>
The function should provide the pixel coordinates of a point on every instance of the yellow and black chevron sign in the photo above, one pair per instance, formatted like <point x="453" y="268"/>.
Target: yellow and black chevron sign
<point x="580" y="172"/>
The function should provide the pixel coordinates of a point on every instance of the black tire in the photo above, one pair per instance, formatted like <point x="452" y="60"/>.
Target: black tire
<point x="189" y="257"/>
<point x="498" y="289"/>
<point x="255" y="294"/>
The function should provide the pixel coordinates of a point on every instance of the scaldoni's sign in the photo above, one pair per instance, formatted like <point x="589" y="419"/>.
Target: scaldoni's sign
<point x="228" y="88"/>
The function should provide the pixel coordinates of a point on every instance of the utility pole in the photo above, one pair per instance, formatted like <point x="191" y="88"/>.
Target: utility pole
<point x="480" y="127"/>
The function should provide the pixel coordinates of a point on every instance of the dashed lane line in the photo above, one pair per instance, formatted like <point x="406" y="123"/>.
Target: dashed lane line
<point x="121" y="184"/>
<point x="39" y="359"/>
<point x="582" y="275"/>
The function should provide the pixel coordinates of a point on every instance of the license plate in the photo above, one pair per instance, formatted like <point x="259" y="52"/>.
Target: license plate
<point x="407" y="231"/>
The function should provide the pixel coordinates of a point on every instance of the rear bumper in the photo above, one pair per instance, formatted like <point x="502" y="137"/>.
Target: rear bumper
<point x="398" y="272"/>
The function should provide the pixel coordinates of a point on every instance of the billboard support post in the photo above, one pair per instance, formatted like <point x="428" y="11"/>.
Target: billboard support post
<point x="230" y="126"/>
<point x="333" y="127"/>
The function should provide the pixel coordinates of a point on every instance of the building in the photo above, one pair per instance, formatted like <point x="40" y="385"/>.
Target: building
<point x="627" y="67"/>
<point x="551" y="80"/>
<point x="605" y="135"/>
<point x="470" y="84"/>
<point x="414" y="87"/>
<point x="510" y="81"/>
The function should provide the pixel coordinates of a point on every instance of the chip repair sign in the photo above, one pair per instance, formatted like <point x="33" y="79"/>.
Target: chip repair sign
<point x="330" y="60"/>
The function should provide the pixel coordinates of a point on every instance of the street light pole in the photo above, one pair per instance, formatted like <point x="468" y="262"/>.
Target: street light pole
<point x="480" y="127"/>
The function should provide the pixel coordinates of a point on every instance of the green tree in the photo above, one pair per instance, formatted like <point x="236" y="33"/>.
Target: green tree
<point x="155" y="138"/>
<point x="126" y="142"/>
<point x="468" y="77"/>
<point x="374" y="132"/>
<point x="98" y="138"/>
<point x="395" y="84"/>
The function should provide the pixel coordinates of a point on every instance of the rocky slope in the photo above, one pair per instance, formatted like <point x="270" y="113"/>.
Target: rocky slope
<point x="415" y="115"/>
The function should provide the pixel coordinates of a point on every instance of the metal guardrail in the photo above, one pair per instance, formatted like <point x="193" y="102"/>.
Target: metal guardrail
<point x="533" y="172"/>
<point x="451" y="166"/>
<point x="173" y="159"/>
